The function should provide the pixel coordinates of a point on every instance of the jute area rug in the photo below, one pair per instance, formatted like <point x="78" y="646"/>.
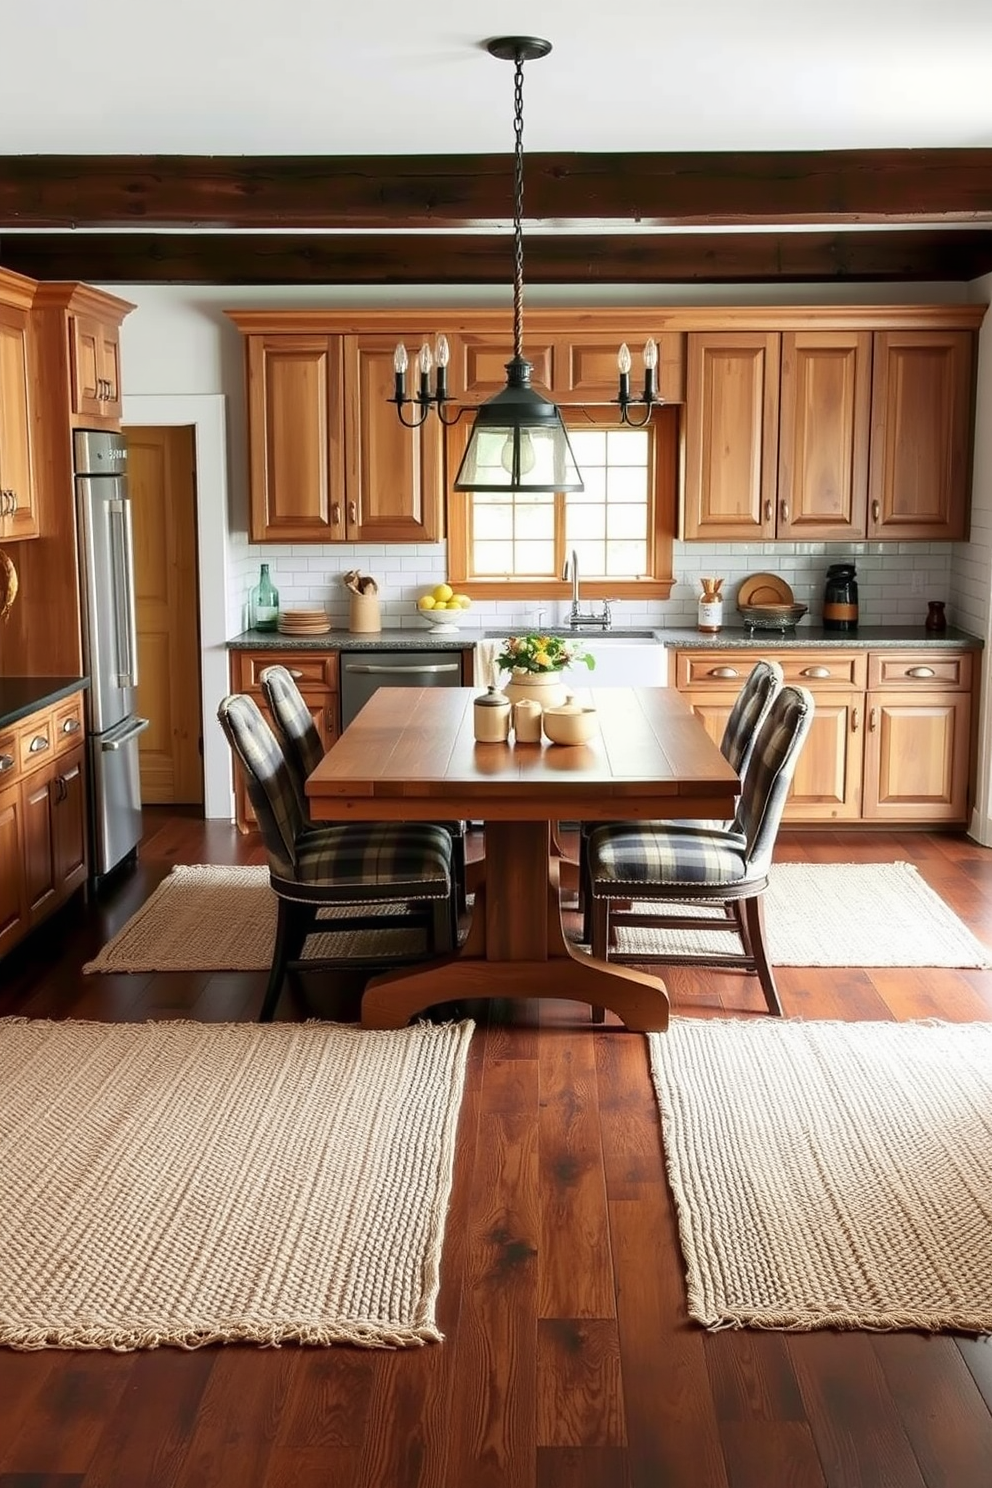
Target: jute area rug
<point x="206" y="918"/>
<point x="831" y="1174"/>
<point x="186" y="1183"/>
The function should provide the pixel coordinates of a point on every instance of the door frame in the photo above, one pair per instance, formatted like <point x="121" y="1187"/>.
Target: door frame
<point x="207" y="414"/>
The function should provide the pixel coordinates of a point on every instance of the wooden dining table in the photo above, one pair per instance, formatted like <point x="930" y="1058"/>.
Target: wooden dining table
<point x="411" y="755"/>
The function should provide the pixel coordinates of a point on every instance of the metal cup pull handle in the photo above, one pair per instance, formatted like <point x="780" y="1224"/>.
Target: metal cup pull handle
<point x="920" y="671"/>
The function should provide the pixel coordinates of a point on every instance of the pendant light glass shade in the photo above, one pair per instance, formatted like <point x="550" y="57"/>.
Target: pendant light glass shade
<point x="518" y="442"/>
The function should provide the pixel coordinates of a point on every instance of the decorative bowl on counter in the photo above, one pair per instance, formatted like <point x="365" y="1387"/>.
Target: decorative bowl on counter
<point x="772" y="616"/>
<point x="570" y="723"/>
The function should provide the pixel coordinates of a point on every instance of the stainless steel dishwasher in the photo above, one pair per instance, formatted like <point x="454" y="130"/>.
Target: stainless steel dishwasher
<point x="364" y="671"/>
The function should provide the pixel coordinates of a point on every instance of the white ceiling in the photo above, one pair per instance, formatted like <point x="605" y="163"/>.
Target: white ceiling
<point x="335" y="77"/>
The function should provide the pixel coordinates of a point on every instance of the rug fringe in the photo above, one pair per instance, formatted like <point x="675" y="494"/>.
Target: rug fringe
<point x="810" y="1323"/>
<point x="128" y="1340"/>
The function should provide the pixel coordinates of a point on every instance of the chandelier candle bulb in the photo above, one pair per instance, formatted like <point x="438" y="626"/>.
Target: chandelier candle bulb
<point x="623" y="363"/>
<point x="426" y="362"/>
<point x="441" y="356"/>
<point x="650" y="363"/>
<point x="400" y="364"/>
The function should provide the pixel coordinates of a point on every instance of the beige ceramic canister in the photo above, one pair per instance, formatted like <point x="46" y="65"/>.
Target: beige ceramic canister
<point x="491" y="717"/>
<point x="527" y="721"/>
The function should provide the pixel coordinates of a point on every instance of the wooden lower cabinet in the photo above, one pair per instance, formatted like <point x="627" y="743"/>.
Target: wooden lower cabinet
<point x="43" y="822"/>
<point x="891" y="735"/>
<point x="315" y="674"/>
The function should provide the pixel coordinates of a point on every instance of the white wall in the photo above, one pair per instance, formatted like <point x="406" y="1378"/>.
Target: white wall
<point x="179" y="343"/>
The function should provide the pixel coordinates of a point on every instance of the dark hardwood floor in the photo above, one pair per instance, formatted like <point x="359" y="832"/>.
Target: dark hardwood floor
<point x="568" y="1361"/>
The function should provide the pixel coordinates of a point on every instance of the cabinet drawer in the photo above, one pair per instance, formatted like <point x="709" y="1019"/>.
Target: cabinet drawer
<point x="814" y="668"/>
<point x="68" y="724"/>
<point x="928" y="670"/>
<point x="824" y="669"/>
<point x="35" y="741"/>
<point x="307" y="668"/>
<point x="9" y="758"/>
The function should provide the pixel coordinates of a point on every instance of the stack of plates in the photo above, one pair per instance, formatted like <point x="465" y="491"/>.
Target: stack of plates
<point x="304" y="622"/>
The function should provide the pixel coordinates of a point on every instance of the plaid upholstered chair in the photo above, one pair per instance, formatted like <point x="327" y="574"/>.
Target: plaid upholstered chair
<point x="304" y="749"/>
<point x="360" y="866"/>
<point x="664" y="865"/>
<point x="761" y="686"/>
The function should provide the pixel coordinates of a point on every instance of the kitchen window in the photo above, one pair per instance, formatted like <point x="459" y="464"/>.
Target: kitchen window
<point x="620" y="526"/>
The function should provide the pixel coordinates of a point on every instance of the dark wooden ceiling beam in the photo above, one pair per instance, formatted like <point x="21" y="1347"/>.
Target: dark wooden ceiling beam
<point x="450" y="191"/>
<point x="427" y="258"/>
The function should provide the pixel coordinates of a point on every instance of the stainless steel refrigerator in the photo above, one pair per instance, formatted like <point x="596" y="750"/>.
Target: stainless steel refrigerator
<point x="110" y="646"/>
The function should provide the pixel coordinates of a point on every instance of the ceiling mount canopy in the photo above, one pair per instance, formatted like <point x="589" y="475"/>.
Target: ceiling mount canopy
<point x="519" y="442"/>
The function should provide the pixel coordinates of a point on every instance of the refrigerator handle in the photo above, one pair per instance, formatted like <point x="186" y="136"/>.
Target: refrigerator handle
<point x="127" y="650"/>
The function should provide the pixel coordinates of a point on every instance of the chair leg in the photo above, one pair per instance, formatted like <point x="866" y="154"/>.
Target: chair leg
<point x="599" y="927"/>
<point x="444" y="925"/>
<point x="754" y="919"/>
<point x="458" y="870"/>
<point x="291" y="933"/>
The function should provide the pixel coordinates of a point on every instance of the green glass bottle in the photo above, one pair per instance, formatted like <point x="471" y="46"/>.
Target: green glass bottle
<point x="263" y="602"/>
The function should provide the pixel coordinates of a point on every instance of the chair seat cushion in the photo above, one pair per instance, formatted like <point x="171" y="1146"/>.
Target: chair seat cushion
<point x="636" y="854"/>
<point x="375" y="855"/>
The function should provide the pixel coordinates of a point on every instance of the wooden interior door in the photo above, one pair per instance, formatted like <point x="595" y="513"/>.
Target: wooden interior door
<point x="162" y="486"/>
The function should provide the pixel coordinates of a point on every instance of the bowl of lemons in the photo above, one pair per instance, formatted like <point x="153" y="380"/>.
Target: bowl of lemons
<point x="443" y="607"/>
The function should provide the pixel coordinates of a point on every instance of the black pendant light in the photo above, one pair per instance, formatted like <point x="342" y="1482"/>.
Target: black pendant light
<point x="518" y="441"/>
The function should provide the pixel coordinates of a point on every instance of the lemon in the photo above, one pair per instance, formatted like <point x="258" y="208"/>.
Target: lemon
<point x="451" y="605"/>
<point x="426" y="602"/>
<point x="442" y="593"/>
<point x="462" y="601"/>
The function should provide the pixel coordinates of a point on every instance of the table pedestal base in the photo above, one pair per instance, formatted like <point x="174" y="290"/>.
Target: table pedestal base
<point x="516" y="948"/>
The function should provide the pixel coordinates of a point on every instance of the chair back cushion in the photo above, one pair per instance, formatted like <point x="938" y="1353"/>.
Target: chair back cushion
<point x="294" y="726"/>
<point x="770" y="772"/>
<point x="270" y="784"/>
<point x="748" y="713"/>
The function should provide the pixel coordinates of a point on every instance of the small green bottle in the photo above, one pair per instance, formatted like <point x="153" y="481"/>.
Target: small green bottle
<point x="263" y="602"/>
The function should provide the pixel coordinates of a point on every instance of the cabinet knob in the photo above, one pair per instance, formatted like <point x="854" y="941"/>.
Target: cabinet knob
<point x="783" y="511"/>
<point x="855" y="720"/>
<point x="920" y="671"/>
<point x="768" y="511"/>
<point x="335" y="514"/>
<point x="353" y="512"/>
<point x="873" y="719"/>
<point x="71" y="726"/>
<point x="6" y="763"/>
<point x="724" y="671"/>
<point x="293" y="672"/>
<point x="38" y="743"/>
<point x="815" y="671"/>
<point x="876" y="511"/>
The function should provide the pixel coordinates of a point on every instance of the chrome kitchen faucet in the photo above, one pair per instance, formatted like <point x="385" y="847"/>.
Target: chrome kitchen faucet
<point x="575" y="615"/>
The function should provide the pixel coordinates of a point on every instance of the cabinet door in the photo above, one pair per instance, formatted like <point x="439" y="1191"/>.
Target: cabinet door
<point x="917" y="756"/>
<point x="920" y="434"/>
<point x="13" y="901"/>
<point x="37" y="799"/>
<point x="827" y="782"/>
<point x="732" y="393"/>
<point x="823" y="435"/>
<point x="296" y="438"/>
<point x="394" y="474"/>
<point x="477" y="368"/>
<point x="585" y="367"/>
<point x="69" y="823"/>
<point x="18" y="515"/>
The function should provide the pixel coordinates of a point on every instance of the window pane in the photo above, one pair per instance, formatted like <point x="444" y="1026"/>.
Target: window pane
<point x="492" y="521"/>
<point x="626" y="560"/>
<point x="625" y="521"/>
<point x="584" y="523"/>
<point x="536" y="521"/>
<point x="588" y="447"/>
<point x="594" y="479"/>
<point x="625" y="483"/>
<point x="626" y="446"/>
<point x="534" y="558"/>
<point x="492" y="558"/>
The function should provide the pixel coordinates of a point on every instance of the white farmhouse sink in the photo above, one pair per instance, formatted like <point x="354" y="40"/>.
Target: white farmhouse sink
<point x="622" y="662"/>
<point x="623" y="659"/>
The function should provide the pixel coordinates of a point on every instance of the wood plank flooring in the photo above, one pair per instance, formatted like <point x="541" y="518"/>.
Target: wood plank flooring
<point x="569" y="1361"/>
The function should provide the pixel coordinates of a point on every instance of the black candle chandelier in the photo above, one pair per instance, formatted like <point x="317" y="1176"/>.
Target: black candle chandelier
<point x="518" y="442"/>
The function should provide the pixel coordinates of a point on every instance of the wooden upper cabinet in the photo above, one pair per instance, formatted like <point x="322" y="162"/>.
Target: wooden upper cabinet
<point x="477" y="368"/>
<point x="394" y="475"/>
<point x="95" y="366"/>
<point x="823" y="435"/>
<point x="731" y="435"/>
<point x="18" y="508"/>
<point x="296" y="438"/>
<point x="578" y="367"/>
<point x="921" y="421"/>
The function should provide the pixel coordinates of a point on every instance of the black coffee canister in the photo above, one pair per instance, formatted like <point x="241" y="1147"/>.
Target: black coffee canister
<point x="840" y="598"/>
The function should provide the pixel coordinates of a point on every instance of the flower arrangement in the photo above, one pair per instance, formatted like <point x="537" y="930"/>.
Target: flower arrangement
<point x="541" y="653"/>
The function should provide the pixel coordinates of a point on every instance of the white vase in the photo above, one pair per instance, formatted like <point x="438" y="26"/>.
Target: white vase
<point x="546" y="688"/>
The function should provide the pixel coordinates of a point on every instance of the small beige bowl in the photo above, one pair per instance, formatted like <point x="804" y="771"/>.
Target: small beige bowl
<point x="571" y="723"/>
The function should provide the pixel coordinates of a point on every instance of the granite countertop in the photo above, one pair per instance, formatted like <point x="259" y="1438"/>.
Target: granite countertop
<point x="20" y="696"/>
<point x="866" y="637"/>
